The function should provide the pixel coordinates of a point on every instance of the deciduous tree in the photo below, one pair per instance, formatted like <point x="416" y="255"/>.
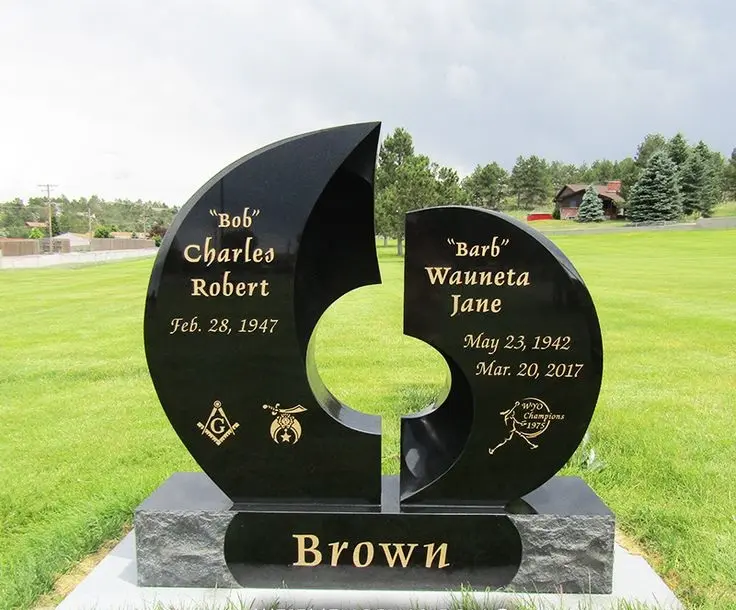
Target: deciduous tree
<point x="486" y="186"/>
<point x="652" y="143"/>
<point x="414" y="187"/>
<point x="628" y="173"/>
<point x="530" y="182"/>
<point x="449" y="190"/>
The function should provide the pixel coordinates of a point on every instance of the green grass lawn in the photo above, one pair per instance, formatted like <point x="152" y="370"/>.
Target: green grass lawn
<point x="726" y="209"/>
<point x="84" y="439"/>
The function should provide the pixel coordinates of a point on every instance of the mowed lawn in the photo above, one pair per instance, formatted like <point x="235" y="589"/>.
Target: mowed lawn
<point x="84" y="439"/>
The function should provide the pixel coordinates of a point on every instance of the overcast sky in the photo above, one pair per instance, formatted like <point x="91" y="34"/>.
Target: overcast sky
<point x="148" y="99"/>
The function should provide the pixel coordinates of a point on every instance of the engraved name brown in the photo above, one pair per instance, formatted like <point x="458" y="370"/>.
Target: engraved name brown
<point x="363" y="554"/>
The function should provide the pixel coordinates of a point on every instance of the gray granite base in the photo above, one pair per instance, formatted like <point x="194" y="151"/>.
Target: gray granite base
<point x="112" y="586"/>
<point x="567" y="545"/>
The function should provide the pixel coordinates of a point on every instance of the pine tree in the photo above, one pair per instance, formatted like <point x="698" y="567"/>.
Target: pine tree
<point x="693" y="183"/>
<point x="656" y="195"/>
<point x="730" y="176"/>
<point x="710" y="193"/>
<point x="678" y="150"/>
<point x="591" y="208"/>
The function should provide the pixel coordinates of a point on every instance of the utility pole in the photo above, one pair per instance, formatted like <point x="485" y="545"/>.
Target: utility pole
<point x="47" y="188"/>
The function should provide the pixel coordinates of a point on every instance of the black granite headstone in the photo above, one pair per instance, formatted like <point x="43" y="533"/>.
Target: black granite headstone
<point x="519" y="331"/>
<point x="244" y="274"/>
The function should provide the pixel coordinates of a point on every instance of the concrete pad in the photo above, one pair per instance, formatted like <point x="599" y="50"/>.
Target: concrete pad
<point x="112" y="586"/>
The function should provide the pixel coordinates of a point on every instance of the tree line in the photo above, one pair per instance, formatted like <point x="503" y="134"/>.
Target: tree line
<point x="84" y="215"/>
<point x="698" y="179"/>
<point x="663" y="180"/>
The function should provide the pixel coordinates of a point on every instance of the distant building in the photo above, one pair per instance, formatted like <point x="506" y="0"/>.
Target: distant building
<point x="570" y="196"/>
<point x="76" y="241"/>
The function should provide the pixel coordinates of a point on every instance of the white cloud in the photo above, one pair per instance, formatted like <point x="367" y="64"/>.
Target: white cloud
<point x="461" y="81"/>
<point x="139" y="99"/>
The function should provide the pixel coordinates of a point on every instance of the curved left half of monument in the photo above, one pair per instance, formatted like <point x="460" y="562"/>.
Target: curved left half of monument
<point x="243" y="275"/>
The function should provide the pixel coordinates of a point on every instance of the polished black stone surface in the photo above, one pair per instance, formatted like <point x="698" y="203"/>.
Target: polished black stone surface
<point x="359" y="550"/>
<point x="241" y="279"/>
<point x="520" y="334"/>
<point x="195" y="492"/>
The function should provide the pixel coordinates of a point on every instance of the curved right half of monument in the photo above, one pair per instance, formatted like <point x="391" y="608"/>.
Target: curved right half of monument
<point x="518" y="328"/>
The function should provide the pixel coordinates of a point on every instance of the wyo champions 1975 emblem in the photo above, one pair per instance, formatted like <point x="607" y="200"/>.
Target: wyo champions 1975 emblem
<point x="528" y="419"/>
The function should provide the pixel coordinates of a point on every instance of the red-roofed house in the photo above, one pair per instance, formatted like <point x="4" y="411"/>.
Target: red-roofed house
<point x="570" y="196"/>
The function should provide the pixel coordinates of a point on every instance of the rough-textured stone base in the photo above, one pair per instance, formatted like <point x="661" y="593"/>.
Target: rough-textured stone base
<point x="566" y="553"/>
<point x="567" y="544"/>
<point x="112" y="586"/>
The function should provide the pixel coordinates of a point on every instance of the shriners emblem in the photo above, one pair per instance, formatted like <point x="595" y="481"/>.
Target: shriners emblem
<point x="285" y="428"/>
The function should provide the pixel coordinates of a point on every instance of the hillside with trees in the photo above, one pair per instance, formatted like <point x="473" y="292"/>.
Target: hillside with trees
<point x="84" y="215"/>
<point x="665" y="180"/>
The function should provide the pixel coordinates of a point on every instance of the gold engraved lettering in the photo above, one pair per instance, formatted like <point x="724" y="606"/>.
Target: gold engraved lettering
<point x="225" y="287"/>
<point x="337" y="548"/>
<point x="184" y="326"/>
<point x="369" y="555"/>
<point x="446" y="275"/>
<point x="218" y="427"/>
<point x="198" y="285"/>
<point x="308" y="553"/>
<point x="432" y="552"/>
<point x="398" y="553"/>
<point x="493" y="249"/>
<point x="209" y="254"/>
<point x="480" y="341"/>
<point x="302" y="550"/>
<point x="474" y="305"/>
<point x="226" y="220"/>
<point x="491" y="369"/>
<point x="190" y="258"/>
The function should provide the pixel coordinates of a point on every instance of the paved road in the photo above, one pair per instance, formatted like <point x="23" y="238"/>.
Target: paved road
<point x="727" y="222"/>
<point x="71" y="258"/>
